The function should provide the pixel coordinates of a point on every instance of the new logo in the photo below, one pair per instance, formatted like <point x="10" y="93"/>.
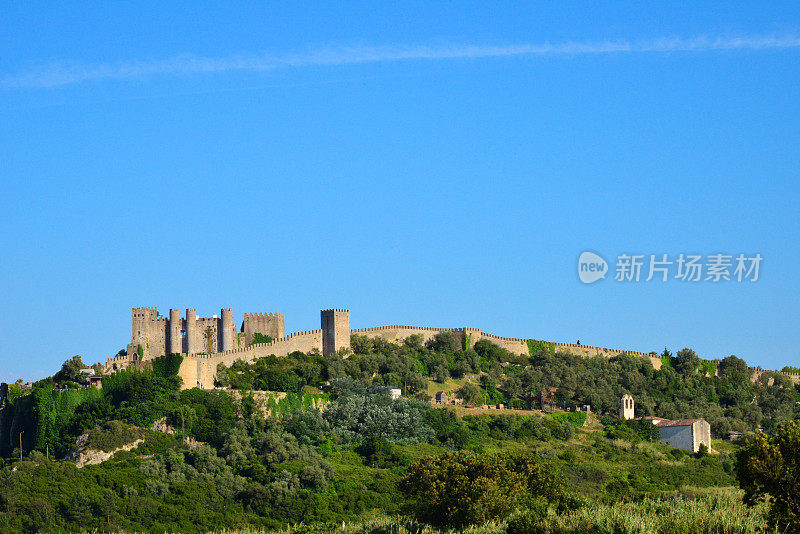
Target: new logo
<point x="591" y="267"/>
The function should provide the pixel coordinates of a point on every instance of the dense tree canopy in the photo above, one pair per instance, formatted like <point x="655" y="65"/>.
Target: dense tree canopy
<point x="234" y="462"/>
<point x="769" y="467"/>
<point x="459" y="489"/>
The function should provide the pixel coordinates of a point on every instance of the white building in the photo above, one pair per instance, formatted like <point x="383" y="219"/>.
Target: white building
<point x="686" y="434"/>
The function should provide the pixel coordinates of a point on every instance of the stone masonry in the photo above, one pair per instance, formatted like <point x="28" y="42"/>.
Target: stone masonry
<point x="206" y="342"/>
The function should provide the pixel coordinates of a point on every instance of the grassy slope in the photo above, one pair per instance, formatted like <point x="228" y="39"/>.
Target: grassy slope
<point x="590" y="462"/>
<point x="449" y="386"/>
<point x="711" y="511"/>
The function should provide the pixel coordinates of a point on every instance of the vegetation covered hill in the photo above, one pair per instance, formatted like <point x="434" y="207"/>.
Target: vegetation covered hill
<point x="220" y="460"/>
<point x="685" y="386"/>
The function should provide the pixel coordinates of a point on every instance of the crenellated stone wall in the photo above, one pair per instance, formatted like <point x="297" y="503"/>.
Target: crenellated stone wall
<point x="269" y="324"/>
<point x="157" y="335"/>
<point x="204" y="339"/>
<point x="201" y="370"/>
<point x="756" y="372"/>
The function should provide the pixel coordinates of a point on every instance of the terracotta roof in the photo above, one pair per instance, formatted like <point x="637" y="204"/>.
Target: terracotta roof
<point x="654" y="420"/>
<point x="679" y="422"/>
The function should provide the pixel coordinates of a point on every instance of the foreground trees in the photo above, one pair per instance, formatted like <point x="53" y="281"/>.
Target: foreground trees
<point x="459" y="489"/>
<point x="769" y="467"/>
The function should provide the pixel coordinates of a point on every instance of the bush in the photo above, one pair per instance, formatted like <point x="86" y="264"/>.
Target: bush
<point x="446" y="342"/>
<point x="459" y="489"/>
<point x="707" y="515"/>
<point x="112" y="435"/>
<point x="678" y="454"/>
<point x="524" y="521"/>
<point x="574" y="418"/>
<point x="377" y="452"/>
<point x="450" y="430"/>
<point x="769" y="467"/>
<point x="470" y="393"/>
<point x="353" y="417"/>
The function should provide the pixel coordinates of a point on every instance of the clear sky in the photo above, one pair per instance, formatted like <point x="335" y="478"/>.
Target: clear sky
<point x="433" y="164"/>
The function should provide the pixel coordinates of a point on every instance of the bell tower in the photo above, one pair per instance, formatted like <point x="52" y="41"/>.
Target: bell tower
<point x="626" y="407"/>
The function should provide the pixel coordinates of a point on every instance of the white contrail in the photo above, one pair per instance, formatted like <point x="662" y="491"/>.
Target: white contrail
<point x="57" y="74"/>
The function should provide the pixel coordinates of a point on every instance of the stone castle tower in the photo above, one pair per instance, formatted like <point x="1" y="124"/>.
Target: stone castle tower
<point x="626" y="407"/>
<point x="335" y="330"/>
<point x="153" y="335"/>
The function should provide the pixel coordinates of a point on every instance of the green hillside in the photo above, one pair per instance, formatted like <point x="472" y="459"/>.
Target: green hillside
<point x="237" y="458"/>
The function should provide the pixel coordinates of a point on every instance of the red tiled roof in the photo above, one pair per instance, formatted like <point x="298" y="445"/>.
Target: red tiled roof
<point x="679" y="422"/>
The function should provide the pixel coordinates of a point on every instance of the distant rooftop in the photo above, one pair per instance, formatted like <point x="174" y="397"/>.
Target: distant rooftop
<point x="679" y="422"/>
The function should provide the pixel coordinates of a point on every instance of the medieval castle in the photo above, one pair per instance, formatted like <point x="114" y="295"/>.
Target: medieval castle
<point x="206" y="342"/>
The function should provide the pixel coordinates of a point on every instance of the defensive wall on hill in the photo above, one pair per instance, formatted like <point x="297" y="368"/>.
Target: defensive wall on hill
<point x="589" y="351"/>
<point x="153" y="335"/>
<point x="397" y="333"/>
<point x="199" y="367"/>
<point x="201" y="370"/>
<point x="756" y="372"/>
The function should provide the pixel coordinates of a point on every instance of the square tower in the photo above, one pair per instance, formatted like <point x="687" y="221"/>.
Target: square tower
<point x="335" y="330"/>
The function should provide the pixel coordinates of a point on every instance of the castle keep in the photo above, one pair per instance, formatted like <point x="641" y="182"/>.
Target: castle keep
<point x="206" y="342"/>
<point x="153" y="335"/>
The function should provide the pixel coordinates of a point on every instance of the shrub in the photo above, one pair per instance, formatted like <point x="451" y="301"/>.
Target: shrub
<point x="574" y="418"/>
<point x="112" y="435"/>
<point x="769" y="466"/>
<point x="707" y="515"/>
<point x="459" y="489"/>
<point x="377" y="452"/>
<point x="524" y="521"/>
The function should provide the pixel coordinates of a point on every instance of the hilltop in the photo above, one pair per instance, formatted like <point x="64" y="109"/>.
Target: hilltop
<point x="326" y="438"/>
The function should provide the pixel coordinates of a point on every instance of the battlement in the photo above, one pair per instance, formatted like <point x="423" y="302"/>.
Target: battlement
<point x="599" y="349"/>
<point x="144" y="312"/>
<point x="269" y="324"/>
<point x="501" y="338"/>
<point x="756" y="372"/>
<point x="257" y="346"/>
<point x="404" y="327"/>
<point x="217" y="339"/>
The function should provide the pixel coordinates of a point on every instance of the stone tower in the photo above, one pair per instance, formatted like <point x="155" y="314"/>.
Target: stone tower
<point x="227" y="329"/>
<point x="192" y="335"/>
<point x="335" y="330"/>
<point x="145" y="331"/>
<point x="175" y="327"/>
<point x="268" y="324"/>
<point x="626" y="407"/>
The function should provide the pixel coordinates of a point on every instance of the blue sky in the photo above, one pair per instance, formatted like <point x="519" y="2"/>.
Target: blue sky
<point x="420" y="164"/>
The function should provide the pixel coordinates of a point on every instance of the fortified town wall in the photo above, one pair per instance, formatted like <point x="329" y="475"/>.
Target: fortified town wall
<point x="207" y="342"/>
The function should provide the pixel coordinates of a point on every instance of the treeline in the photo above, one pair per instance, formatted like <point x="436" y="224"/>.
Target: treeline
<point x="230" y="464"/>
<point x="680" y="389"/>
<point x="243" y="468"/>
<point x="685" y="386"/>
